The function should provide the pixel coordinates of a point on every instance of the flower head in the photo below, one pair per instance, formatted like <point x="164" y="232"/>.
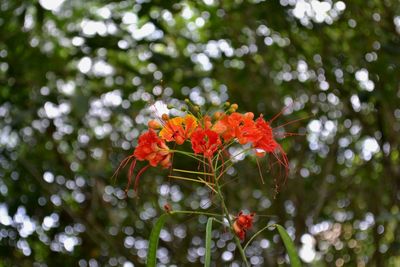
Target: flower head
<point x="178" y="129"/>
<point x="266" y="142"/>
<point x="237" y="125"/>
<point x="153" y="149"/>
<point x="242" y="223"/>
<point x="205" y="141"/>
<point x="245" y="220"/>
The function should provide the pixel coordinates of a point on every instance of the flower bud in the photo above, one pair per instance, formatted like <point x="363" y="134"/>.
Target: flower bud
<point x="167" y="208"/>
<point x="153" y="124"/>
<point x="249" y="115"/>
<point x="235" y="106"/>
<point x="165" y="116"/>
<point x="217" y="115"/>
<point x="227" y="104"/>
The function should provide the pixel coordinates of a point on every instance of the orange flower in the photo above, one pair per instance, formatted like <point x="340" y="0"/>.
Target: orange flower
<point x="237" y="125"/>
<point x="178" y="129"/>
<point x="153" y="149"/>
<point x="242" y="223"/>
<point x="247" y="131"/>
<point x="226" y="126"/>
<point x="205" y="141"/>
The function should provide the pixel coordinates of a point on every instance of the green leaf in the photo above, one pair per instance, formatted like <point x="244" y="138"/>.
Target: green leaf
<point x="153" y="241"/>
<point x="290" y="248"/>
<point x="207" y="260"/>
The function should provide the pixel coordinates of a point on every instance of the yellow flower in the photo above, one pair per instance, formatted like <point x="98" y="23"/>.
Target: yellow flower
<point x="178" y="129"/>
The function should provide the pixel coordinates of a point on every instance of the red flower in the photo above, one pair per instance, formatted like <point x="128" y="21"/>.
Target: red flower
<point x="236" y="125"/>
<point x="242" y="223"/>
<point x="205" y="142"/>
<point x="245" y="220"/>
<point x="266" y="142"/>
<point x="153" y="149"/>
<point x="240" y="232"/>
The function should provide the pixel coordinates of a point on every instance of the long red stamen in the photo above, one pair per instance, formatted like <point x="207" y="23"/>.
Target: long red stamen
<point x="122" y="165"/>
<point x="286" y="134"/>
<point x="282" y="161"/>
<point x="131" y="168"/>
<point x="130" y="174"/>
<point x="280" y="112"/>
<point x="138" y="176"/>
<point x="291" y="122"/>
<point x="259" y="170"/>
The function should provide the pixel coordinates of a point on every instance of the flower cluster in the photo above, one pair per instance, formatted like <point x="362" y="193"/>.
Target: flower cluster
<point x="245" y="129"/>
<point x="208" y="134"/>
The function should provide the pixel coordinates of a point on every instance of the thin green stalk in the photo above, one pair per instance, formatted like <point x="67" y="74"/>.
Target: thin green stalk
<point x="187" y="179"/>
<point x="209" y="185"/>
<point x="230" y="159"/>
<point x="216" y="158"/>
<point x="185" y="153"/>
<point x="194" y="212"/>
<point x="226" y="145"/>
<point x="226" y="212"/>
<point x="256" y="234"/>
<point x="218" y="221"/>
<point x="191" y="155"/>
<point x="193" y="172"/>
<point x="237" y="241"/>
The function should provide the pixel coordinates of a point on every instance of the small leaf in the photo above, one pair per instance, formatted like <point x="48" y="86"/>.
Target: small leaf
<point x="207" y="260"/>
<point x="290" y="248"/>
<point x="153" y="241"/>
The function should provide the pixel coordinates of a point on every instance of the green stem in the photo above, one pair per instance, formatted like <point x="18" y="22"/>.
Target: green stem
<point x="194" y="212"/>
<point x="256" y="234"/>
<point x="237" y="241"/>
<point x="231" y="158"/>
<point x="191" y="155"/>
<point x="225" y="209"/>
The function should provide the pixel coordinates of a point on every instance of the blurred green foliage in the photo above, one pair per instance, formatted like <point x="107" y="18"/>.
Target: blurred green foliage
<point x="76" y="78"/>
